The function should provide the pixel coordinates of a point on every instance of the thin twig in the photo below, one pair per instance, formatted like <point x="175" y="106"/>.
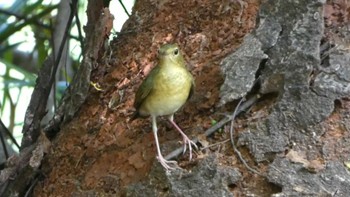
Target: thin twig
<point x="232" y="121"/>
<point x="215" y="144"/>
<point x="233" y="141"/>
<point x="28" y="192"/>
<point x="73" y="7"/>
<point x="245" y="163"/>
<point x="57" y="60"/>
<point x="125" y="10"/>
<point x="235" y="113"/>
<point x="7" y="132"/>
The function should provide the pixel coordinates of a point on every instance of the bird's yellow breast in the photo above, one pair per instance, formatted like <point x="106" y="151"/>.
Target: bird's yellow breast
<point x="170" y="91"/>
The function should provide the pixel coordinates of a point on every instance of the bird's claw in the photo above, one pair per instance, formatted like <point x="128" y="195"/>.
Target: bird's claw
<point x="189" y="143"/>
<point x="165" y="163"/>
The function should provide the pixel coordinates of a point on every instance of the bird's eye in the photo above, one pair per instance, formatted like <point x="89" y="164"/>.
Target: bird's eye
<point x="176" y="51"/>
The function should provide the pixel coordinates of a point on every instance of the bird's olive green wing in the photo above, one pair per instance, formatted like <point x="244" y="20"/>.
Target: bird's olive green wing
<point x="145" y="88"/>
<point x="192" y="87"/>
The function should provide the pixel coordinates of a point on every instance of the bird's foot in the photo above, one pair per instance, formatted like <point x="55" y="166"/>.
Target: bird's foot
<point x="165" y="163"/>
<point x="189" y="143"/>
<point x="186" y="140"/>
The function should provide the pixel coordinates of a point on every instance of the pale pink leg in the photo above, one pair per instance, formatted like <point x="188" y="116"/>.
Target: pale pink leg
<point x="186" y="140"/>
<point x="160" y="157"/>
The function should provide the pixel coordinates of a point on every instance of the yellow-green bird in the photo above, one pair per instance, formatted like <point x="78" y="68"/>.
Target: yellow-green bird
<point x="164" y="91"/>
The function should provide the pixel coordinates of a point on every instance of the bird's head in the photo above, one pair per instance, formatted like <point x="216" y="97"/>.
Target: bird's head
<point x="170" y="54"/>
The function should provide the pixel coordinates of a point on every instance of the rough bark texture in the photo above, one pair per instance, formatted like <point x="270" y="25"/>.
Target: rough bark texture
<point x="304" y="101"/>
<point x="208" y="178"/>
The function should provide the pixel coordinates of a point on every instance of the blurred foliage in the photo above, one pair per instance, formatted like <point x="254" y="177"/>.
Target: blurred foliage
<point x="26" y="33"/>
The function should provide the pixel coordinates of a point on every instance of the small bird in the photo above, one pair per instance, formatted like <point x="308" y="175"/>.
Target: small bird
<point x="164" y="91"/>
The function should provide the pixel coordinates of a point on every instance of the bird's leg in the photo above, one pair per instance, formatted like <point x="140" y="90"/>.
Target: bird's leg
<point x="160" y="157"/>
<point x="186" y="140"/>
